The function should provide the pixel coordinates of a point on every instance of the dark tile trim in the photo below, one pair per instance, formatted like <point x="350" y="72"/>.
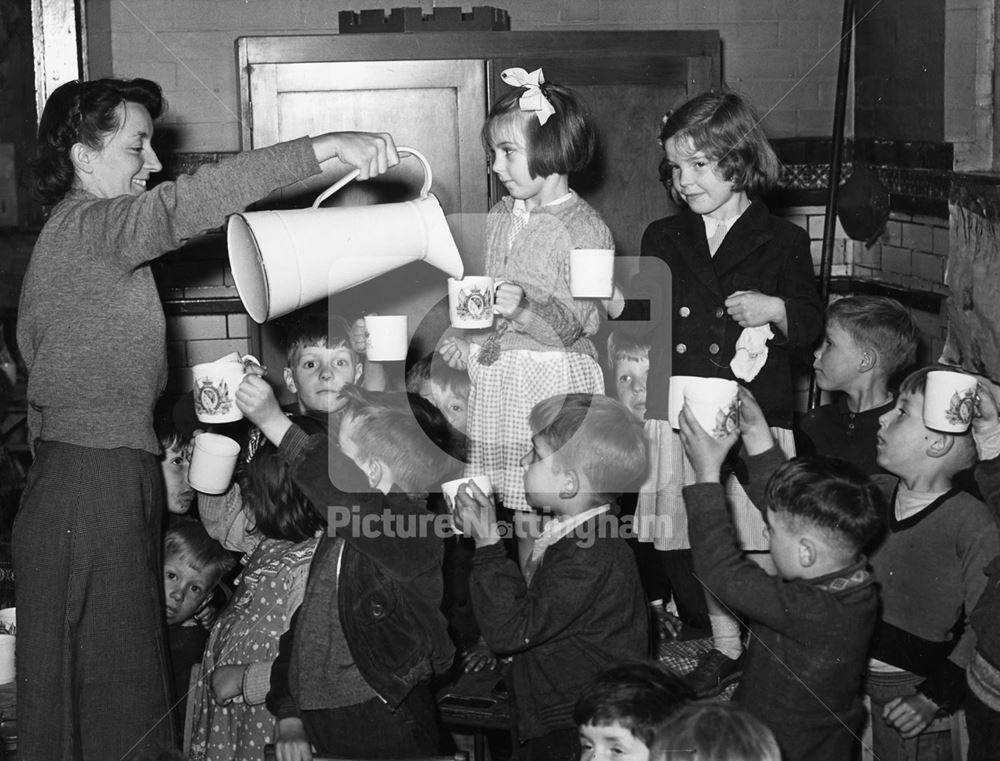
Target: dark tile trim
<point x="922" y="301"/>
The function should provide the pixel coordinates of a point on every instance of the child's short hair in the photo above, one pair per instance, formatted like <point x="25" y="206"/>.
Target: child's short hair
<point x="714" y="731"/>
<point x="275" y="506"/>
<point x="168" y="433"/>
<point x="449" y="378"/>
<point x="832" y="494"/>
<point x="315" y="327"/>
<point x="187" y="537"/>
<point x="432" y="367"/>
<point x="639" y="696"/>
<point x="596" y="435"/>
<point x="725" y="127"/>
<point x="964" y="449"/>
<point x="880" y="322"/>
<point x="401" y="430"/>
<point x="564" y="144"/>
<point x="624" y="346"/>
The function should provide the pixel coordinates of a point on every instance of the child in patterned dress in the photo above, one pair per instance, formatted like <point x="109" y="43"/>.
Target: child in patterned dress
<point x="231" y="720"/>
<point x="540" y="345"/>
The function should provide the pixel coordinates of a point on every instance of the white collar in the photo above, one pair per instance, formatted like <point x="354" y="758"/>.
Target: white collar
<point x="562" y="526"/>
<point x="909" y="503"/>
<point x="521" y="208"/>
<point x="712" y="224"/>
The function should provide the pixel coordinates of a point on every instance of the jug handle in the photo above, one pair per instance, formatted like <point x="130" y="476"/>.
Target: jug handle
<point x="424" y="190"/>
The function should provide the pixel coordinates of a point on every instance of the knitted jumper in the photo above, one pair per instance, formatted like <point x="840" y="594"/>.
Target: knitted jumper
<point x="90" y="325"/>
<point x="538" y="261"/>
<point x="931" y="568"/>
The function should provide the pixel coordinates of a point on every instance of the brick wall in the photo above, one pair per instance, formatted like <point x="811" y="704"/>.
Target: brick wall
<point x="775" y="51"/>
<point x="912" y="253"/>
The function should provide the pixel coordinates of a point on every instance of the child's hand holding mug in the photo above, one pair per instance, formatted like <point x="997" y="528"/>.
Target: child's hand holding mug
<point x="455" y="352"/>
<point x="508" y="300"/>
<point x="754" y="429"/>
<point x="475" y="515"/>
<point x="706" y="452"/>
<point x="359" y="336"/>
<point x="256" y="400"/>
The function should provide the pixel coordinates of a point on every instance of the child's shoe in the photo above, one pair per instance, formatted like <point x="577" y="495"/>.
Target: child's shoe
<point x="715" y="671"/>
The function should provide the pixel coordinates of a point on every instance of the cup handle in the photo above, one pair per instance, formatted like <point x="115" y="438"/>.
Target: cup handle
<point x="252" y="366"/>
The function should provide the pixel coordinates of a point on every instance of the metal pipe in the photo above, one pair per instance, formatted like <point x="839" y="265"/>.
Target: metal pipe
<point x="830" y="217"/>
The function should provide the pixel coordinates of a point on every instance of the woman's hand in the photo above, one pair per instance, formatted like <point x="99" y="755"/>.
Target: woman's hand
<point x="751" y="309"/>
<point x="455" y="352"/>
<point x="290" y="741"/>
<point x="910" y="715"/>
<point x="370" y="153"/>
<point x="508" y="300"/>
<point x="705" y="452"/>
<point x="227" y="683"/>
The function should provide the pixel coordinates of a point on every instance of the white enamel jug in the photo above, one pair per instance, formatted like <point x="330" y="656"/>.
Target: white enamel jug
<point x="284" y="260"/>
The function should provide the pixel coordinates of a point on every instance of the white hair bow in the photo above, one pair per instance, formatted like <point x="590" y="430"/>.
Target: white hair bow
<point x="533" y="99"/>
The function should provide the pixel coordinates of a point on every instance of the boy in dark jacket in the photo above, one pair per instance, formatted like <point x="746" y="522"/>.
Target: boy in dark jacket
<point x="579" y="607"/>
<point x="812" y="623"/>
<point x="353" y="673"/>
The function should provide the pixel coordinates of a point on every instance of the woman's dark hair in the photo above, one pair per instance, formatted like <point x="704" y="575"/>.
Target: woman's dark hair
<point x="82" y="112"/>
<point x="276" y="508"/>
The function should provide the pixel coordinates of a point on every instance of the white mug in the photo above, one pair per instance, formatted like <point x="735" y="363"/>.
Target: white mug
<point x="675" y="397"/>
<point x="592" y="273"/>
<point x="450" y="491"/>
<point x="388" y="338"/>
<point x="472" y="301"/>
<point x="215" y="385"/>
<point x="714" y="402"/>
<point x="949" y="400"/>
<point x="213" y="460"/>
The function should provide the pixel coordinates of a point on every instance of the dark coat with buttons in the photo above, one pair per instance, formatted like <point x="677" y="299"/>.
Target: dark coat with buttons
<point x="689" y="330"/>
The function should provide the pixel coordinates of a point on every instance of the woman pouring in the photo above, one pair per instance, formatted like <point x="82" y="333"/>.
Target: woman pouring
<point x="91" y="661"/>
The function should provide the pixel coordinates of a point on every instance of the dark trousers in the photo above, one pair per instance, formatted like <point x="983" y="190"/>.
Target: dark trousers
<point x="984" y="729"/>
<point x="92" y="676"/>
<point x="688" y="593"/>
<point x="373" y="730"/>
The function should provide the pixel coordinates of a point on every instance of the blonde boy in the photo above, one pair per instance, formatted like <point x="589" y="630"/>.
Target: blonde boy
<point x="867" y="341"/>
<point x="578" y="608"/>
